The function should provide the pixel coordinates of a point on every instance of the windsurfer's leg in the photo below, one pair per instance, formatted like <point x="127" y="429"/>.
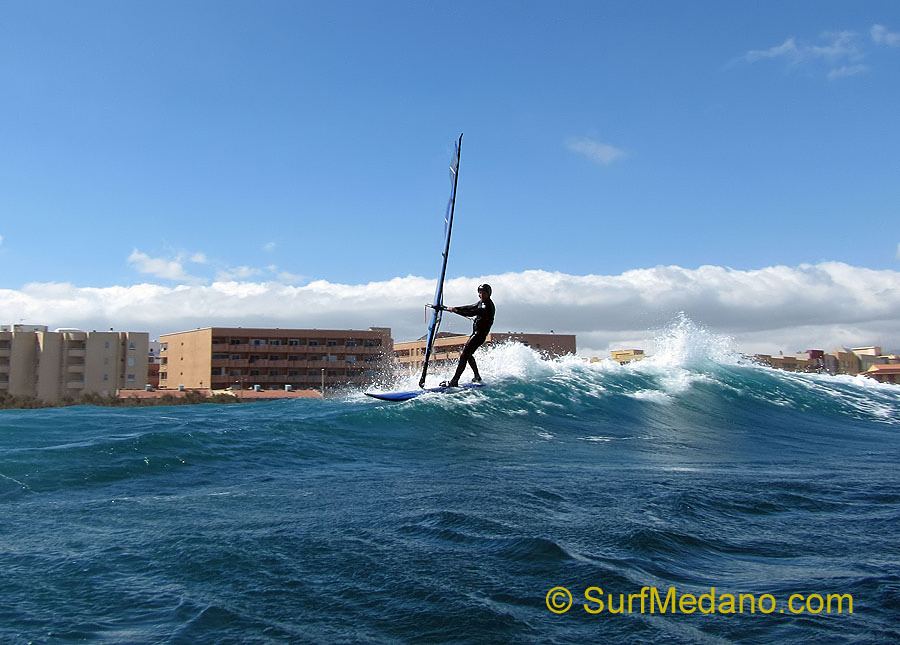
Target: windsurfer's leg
<point x="475" y="375"/>
<point x="453" y="382"/>
<point x="467" y="357"/>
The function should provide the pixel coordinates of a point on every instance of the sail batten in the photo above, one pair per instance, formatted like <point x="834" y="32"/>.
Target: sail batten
<point x="439" y="290"/>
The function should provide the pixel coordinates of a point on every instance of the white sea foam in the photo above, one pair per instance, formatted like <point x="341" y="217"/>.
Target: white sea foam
<point x="685" y="356"/>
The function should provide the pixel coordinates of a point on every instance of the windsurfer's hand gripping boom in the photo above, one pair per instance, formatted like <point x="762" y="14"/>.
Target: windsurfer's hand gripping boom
<point x="443" y="308"/>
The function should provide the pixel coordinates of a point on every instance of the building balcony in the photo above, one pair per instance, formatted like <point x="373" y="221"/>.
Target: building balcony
<point x="76" y="353"/>
<point x="75" y="368"/>
<point x="5" y="352"/>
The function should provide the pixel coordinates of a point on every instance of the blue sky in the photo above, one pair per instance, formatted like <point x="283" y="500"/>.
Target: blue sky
<point x="147" y="147"/>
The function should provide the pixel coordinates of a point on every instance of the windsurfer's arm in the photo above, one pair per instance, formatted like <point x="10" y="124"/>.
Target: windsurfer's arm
<point x="467" y="310"/>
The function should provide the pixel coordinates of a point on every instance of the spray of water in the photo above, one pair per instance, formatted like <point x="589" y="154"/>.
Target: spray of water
<point x="683" y="355"/>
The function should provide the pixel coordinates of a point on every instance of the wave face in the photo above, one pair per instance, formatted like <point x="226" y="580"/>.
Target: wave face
<point x="448" y="518"/>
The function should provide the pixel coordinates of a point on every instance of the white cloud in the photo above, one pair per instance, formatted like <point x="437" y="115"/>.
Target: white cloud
<point x="158" y="267"/>
<point x="841" y="53"/>
<point x="594" y="150"/>
<point x="199" y="258"/>
<point x="235" y="273"/>
<point x="842" y="47"/>
<point x="269" y="246"/>
<point x="881" y="36"/>
<point x="787" y="49"/>
<point x="1" y="239"/>
<point x="847" y="70"/>
<point x="773" y="309"/>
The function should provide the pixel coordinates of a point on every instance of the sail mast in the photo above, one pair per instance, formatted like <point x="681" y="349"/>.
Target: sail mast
<point x="439" y="291"/>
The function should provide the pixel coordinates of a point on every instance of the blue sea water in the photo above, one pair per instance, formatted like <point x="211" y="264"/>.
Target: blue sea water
<point x="449" y="518"/>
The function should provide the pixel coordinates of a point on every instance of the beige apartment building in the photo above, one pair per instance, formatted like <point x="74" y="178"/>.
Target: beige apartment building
<point x="411" y="354"/>
<point x="68" y="362"/>
<point x="220" y="358"/>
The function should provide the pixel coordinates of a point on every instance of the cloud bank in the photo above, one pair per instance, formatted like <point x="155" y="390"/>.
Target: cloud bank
<point x="772" y="309"/>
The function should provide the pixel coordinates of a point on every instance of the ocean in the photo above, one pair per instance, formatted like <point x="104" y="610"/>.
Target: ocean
<point x="667" y="489"/>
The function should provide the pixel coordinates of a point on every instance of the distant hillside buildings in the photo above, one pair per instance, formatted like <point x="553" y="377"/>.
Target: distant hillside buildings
<point x="868" y="361"/>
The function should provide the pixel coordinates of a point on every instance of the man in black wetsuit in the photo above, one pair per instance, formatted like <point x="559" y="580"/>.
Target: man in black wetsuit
<point x="483" y="311"/>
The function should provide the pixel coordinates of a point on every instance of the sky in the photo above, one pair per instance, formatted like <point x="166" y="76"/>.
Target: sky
<point x="172" y="165"/>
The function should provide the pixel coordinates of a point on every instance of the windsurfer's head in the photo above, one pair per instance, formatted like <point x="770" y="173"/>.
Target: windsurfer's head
<point x="484" y="289"/>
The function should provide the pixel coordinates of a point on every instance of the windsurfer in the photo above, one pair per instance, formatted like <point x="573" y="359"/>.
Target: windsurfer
<point x="483" y="313"/>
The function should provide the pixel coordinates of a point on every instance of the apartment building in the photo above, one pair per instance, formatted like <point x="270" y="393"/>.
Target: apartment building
<point x="68" y="362"/>
<point x="220" y="358"/>
<point x="410" y="355"/>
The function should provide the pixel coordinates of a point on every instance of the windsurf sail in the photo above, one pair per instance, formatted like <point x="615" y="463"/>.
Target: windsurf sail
<point x="438" y="303"/>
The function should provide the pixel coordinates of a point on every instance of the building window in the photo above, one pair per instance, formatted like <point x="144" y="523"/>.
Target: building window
<point x="258" y="342"/>
<point x="331" y="343"/>
<point x="131" y="362"/>
<point x="130" y="378"/>
<point x="132" y="346"/>
<point x="313" y="343"/>
<point x="273" y="372"/>
<point x="293" y="342"/>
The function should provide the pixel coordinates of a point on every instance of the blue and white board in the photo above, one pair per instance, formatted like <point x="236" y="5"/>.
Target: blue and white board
<point x="411" y="394"/>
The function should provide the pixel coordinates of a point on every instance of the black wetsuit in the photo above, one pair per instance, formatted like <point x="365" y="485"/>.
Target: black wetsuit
<point x="483" y="310"/>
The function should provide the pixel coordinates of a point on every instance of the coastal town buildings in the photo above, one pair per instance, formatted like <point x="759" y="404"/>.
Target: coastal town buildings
<point x="622" y="356"/>
<point x="51" y="365"/>
<point x="410" y="355"/>
<point x="219" y="358"/>
<point x="868" y="361"/>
